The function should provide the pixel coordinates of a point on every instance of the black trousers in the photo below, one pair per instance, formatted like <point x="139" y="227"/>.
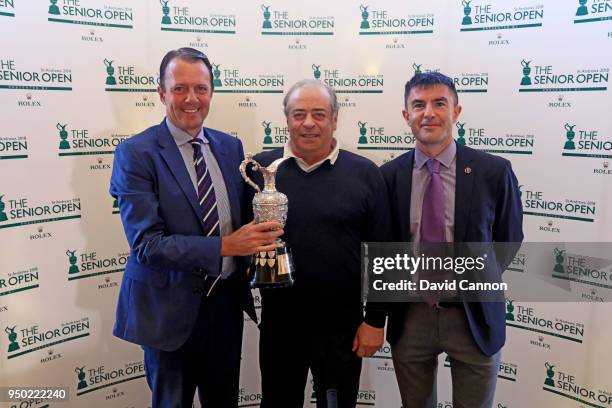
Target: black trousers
<point x="289" y="348"/>
<point x="209" y="360"/>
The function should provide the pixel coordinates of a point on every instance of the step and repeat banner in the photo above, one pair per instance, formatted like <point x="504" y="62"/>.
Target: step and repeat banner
<point x="79" y="76"/>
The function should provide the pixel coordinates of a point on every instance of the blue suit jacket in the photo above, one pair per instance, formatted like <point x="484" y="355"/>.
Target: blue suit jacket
<point x="487" y="209"/>
<point x="163" y="281"/>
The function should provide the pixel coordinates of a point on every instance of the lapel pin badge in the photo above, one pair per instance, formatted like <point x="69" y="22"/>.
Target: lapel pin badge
<point x="467" y="170"/>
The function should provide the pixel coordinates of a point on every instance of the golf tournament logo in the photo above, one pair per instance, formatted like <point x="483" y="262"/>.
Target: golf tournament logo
<point x="19" y="211"/>
<point x="518" y="263"/>
<point x="385" y="22"/>
<point x="248" y="398"/>
<point x="592" y="11"/>
<point x="526" y="318"/>
<point x="506" y="371"/>
<point x="274" y="137"/>
<point x="36" y="337"/>
<point x="78" y="141"/>
<point x="101" y="377"/>
<point x="566" y="385"/>
<point x="90" y="264"/>
<point x="43" y="79"/>
<point x="371" y="137"/>
<point x="479" y="16"/>
<point x="125" y="78"/>
<point x="587" y="143"/>
<point x="585" y="270"/>
<point x="471" y="82"/>
<point x="364" y="397"/>
<point x="535" y="204"/>
<point x="13" y="147"/>
<point x="81" y="12"/>
<point x="7" y="8"/>
<point x="233" y="80"/>
<point x="544" y="78"/>
<point x="282" y="22"/>
<point x="349" y="84"/>
<point x="418" y="69"/>
<point x="182" y="18"/>
<point x="478" y="138"/>
<point x="18" y="281"/>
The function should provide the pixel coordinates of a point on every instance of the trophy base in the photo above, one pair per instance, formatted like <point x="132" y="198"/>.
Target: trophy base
<point x="272" y="269"/>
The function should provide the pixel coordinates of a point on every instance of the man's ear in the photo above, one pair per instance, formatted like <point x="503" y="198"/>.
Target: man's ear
<point x="456" y="112"/>
<point x="162" y="95"/>
<point x="406" y="116"/>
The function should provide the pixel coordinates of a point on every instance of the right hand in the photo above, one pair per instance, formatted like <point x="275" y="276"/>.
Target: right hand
<point x="251" y="238"/>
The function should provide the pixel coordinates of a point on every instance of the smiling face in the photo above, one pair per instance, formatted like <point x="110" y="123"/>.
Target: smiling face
<point x="311" y="123"/>
<point x="431" y="112"/>
<point x="186" y="94"/>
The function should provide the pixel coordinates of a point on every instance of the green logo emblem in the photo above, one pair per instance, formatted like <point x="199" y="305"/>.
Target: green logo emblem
<point x="559" y="261"/>
<point x="364" y="15"/>
<point x="467" y="20"/>
<point x="569" y="134"/>
<point x="110" y="70"/>
<point x="362" y="133"/>
<point x="549" y="375"/>
<point x="53" y="9"/>
<point x="81" y="376"/>
<point x="63" y="134"/>
<point x="12" y="336"/>
<point x="73" y="260"/>
<point x="509" y="310"/>
<point x="582" y="9"/>
<point x="3" y="216"/>
<point x="526" y="71"/>
<point x="315" y="71"/>
<point x="217" y="75"/>
<point x="266" y="16"/>
<point x="461" y="133"/>
<point x="267" y="131"/>
<point x="166" y="11"/>
<point x="417" y="68"/>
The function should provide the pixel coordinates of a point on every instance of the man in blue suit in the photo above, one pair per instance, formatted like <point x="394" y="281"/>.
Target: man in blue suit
<point x="184" y="288"/>
<point x="445" y="192"/>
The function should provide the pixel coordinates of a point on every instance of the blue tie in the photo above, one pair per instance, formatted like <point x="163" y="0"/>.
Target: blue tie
<point x="206" y="191"/>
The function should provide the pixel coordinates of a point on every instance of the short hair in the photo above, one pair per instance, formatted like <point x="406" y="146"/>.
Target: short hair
<point x="186" y="54"/>
<point x="426" y="79"/>
<point x="333" y="99"/>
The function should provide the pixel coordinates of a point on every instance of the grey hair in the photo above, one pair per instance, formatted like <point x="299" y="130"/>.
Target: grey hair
<point x="333" y="99"/>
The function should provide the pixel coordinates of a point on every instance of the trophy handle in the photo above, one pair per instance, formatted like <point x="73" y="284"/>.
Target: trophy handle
<point x="243" y="166"/>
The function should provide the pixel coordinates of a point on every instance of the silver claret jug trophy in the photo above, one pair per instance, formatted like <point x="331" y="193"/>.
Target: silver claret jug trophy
<point x="270" y="269"/>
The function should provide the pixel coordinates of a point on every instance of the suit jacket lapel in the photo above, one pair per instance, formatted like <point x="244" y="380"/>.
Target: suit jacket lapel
<point x="220" y="153"/>
<point x="171" y="155"/>
<point x="463" y="191"/>
<point x="404" y="192"/>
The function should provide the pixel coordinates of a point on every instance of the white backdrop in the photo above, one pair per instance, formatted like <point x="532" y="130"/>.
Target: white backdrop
<point x="77" y="77"/>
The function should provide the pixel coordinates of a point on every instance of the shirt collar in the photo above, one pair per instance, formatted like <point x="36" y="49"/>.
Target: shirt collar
<point x="180" y="136"/>
<point x="445" y="157"/>
<point x="332" y="156"/>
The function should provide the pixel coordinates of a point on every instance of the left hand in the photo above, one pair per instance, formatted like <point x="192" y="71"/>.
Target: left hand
<point x="368" y="340"/>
